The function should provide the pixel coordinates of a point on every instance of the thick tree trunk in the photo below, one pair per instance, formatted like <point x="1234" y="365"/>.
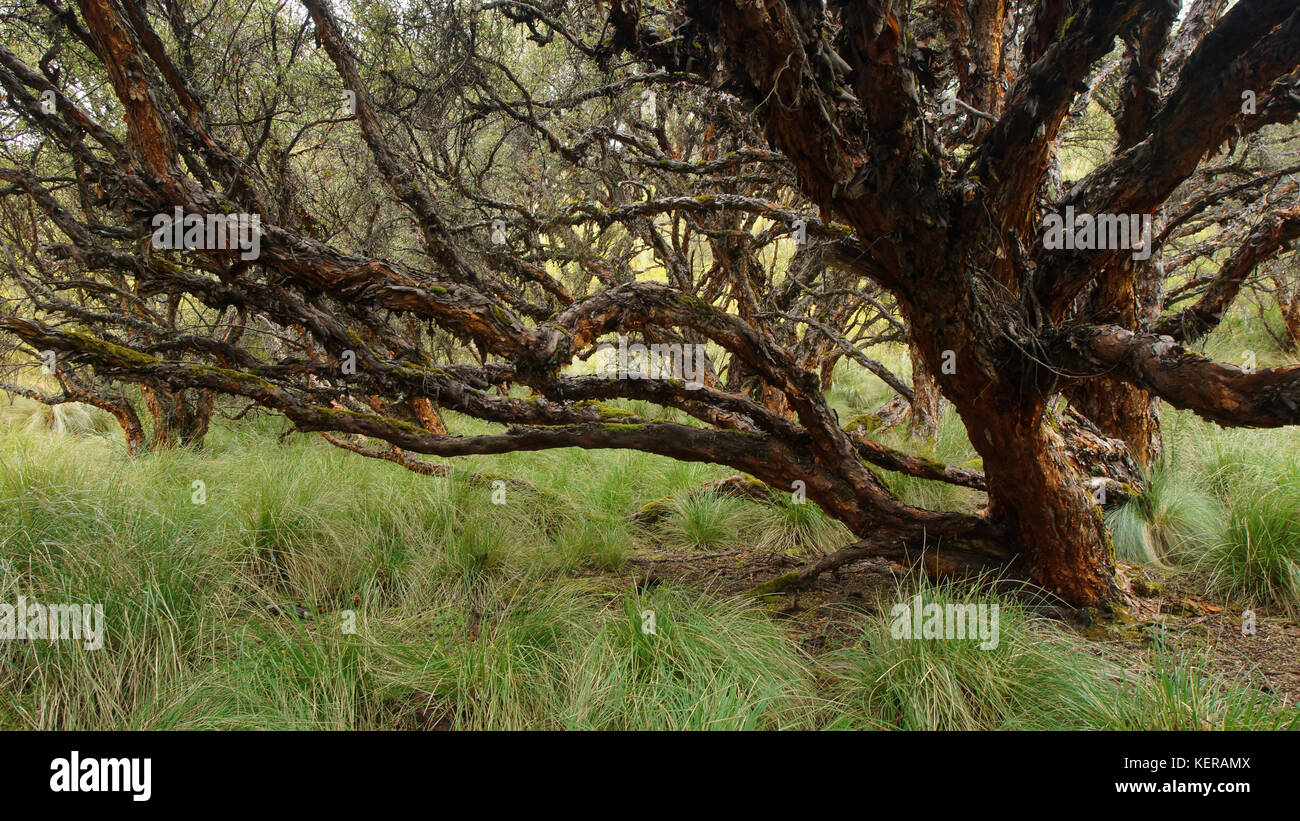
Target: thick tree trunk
<point x="1119" y="409"/>
<point x="1038" y="498"/>
<point x="180" y="419"/>
<point x="1123" y="412"/>
<point x="926" y="400"/>
<point x="1290" y="306"/>
<point x="1037" y="495"/>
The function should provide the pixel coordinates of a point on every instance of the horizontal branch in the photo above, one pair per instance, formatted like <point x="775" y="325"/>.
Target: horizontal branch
<point x="1224" y="394"/>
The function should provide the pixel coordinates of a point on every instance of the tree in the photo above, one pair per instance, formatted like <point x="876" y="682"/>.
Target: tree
<point x="455" y="200"/>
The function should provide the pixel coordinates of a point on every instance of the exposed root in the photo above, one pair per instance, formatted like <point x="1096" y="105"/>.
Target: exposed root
<point x="956" y="561"/>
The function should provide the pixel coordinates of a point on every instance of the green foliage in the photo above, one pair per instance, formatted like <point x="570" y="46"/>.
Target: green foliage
<point x="787" y="526"/>
<point x="1036" y="677"/>
<point x="1228" y="506"/>
<point x="1174" y="519"/>
<point x="71" y="418"/>
<point x="708" y="522"/>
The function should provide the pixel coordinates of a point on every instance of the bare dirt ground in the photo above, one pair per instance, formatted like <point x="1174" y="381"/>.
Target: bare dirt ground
<point x="1268" y="659"/>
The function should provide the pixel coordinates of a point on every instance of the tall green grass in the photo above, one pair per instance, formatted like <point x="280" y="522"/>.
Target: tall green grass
<point x="19" y="412"/>
<point x="1256" y="560"/>
<point x="1037" y="677"/>
<point x="468" y="614"/>
<point x="1227" y="507"/>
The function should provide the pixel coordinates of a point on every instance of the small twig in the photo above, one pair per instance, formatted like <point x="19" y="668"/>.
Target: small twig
<point x="687" y="558"/>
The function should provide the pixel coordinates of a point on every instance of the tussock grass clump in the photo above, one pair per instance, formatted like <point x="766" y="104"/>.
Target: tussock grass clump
<point x="1174" y="694"/>
<point x="708" y="522"/>
<point x="1174" y="520"/>
<point x="73" y="532"/>
<point x="1250" y="550"/>
<point x="1038" y="676"/>
<point x="1258" y="559"/>
<point x="798" y="528"/>
<point x="718" y="522"/>
<point x="69" y="418"/>
<point x="1226" y="507"/>
<point x="711" y="664"/>
<point x="579" y="657"/>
